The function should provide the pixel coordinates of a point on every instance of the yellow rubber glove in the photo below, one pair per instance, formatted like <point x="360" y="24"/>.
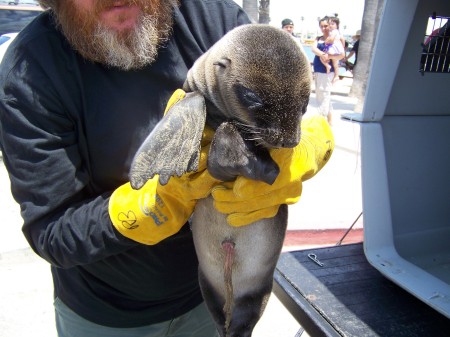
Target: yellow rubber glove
<point x="246" y="201"/>
<point x="155" y="212"/>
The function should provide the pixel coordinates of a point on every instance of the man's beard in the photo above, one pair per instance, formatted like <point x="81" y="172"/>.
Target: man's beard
<point x="129" y="49"/>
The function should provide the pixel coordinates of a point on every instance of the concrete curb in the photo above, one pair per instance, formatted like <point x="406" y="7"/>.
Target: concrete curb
<point x="300" y="238"/>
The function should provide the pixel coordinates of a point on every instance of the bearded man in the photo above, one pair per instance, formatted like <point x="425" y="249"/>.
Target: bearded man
<point x="81" y="88"/>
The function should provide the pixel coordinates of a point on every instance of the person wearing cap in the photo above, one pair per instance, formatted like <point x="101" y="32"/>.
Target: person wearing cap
<point x="288" y="26"/>
<point x="354" y="50"/>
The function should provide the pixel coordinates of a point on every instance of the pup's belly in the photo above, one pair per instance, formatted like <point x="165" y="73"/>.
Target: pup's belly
<point x="256" y="247"/>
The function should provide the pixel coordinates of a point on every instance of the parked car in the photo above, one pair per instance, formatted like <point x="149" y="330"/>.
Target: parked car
<point x="5" y="41"/>
<point x="21" y="2"/>
<point x="13" y="18"/>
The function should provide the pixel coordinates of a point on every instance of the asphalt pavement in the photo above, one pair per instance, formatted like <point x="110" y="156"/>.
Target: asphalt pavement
<point x="330" y="203"/>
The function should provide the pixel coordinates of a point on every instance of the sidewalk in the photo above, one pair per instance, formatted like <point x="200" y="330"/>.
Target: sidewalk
<point x="330" y="203"/>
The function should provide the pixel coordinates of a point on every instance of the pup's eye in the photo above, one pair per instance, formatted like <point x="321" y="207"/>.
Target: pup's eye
<point x="248" y="97"/>
<point x="223" y="63"/>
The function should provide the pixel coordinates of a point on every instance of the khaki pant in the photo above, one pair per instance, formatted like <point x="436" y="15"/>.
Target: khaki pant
<point x="324" y="84"/>
<point x="195" y="323"/>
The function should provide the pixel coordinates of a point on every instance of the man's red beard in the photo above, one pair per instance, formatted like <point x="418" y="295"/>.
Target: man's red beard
<point x="127" y="49"/>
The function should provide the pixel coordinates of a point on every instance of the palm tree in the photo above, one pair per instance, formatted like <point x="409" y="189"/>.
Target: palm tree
<point x="264" y="11"/>
<point x="261" y="14"/>
<point x="369" y="27"/>
<point x="251" y="8"/>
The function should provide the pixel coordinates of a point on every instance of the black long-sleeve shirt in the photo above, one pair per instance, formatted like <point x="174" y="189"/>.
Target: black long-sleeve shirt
<point x="69" y="129"/>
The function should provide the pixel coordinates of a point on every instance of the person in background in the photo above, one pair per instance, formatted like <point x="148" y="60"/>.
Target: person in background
<point x="323" y="78"/>
<point x="81" y="88"/>
<point x="334" y="46"/>
<point x="355" y="48"/>
<point x="288" y="26"/>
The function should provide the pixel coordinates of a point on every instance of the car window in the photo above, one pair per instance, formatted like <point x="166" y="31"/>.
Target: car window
<point x="3" y="39"/>
<point x="15" y="18"/>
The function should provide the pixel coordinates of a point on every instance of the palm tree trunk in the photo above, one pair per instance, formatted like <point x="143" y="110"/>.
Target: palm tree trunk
<point x="264" y="11"/>
<point x="369" y="27"/>
<point x="251" y="8"/>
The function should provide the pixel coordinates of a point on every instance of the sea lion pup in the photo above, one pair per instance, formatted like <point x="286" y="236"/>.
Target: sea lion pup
<point x="252" y="87"/>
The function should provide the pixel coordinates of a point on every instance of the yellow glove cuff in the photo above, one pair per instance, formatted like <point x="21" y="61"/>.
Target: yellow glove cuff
<point x="155" y="212"/>
<point x="147" y="216"/>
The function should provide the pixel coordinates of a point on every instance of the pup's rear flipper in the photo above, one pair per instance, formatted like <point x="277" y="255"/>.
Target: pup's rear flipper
<point x="246" y="310"/>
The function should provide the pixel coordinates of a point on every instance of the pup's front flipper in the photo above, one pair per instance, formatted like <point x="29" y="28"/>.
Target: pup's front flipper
<point x="173" y="147"/>
<point x="232" y="155"/>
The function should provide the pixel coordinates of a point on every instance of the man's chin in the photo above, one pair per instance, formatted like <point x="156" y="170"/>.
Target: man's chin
<point x="134" y="50"/>
<point x="124" y="39"/>
<point x="120" y="19"/>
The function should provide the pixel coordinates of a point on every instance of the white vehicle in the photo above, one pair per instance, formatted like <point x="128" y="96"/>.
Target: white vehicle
<point x="5" y="41"/>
